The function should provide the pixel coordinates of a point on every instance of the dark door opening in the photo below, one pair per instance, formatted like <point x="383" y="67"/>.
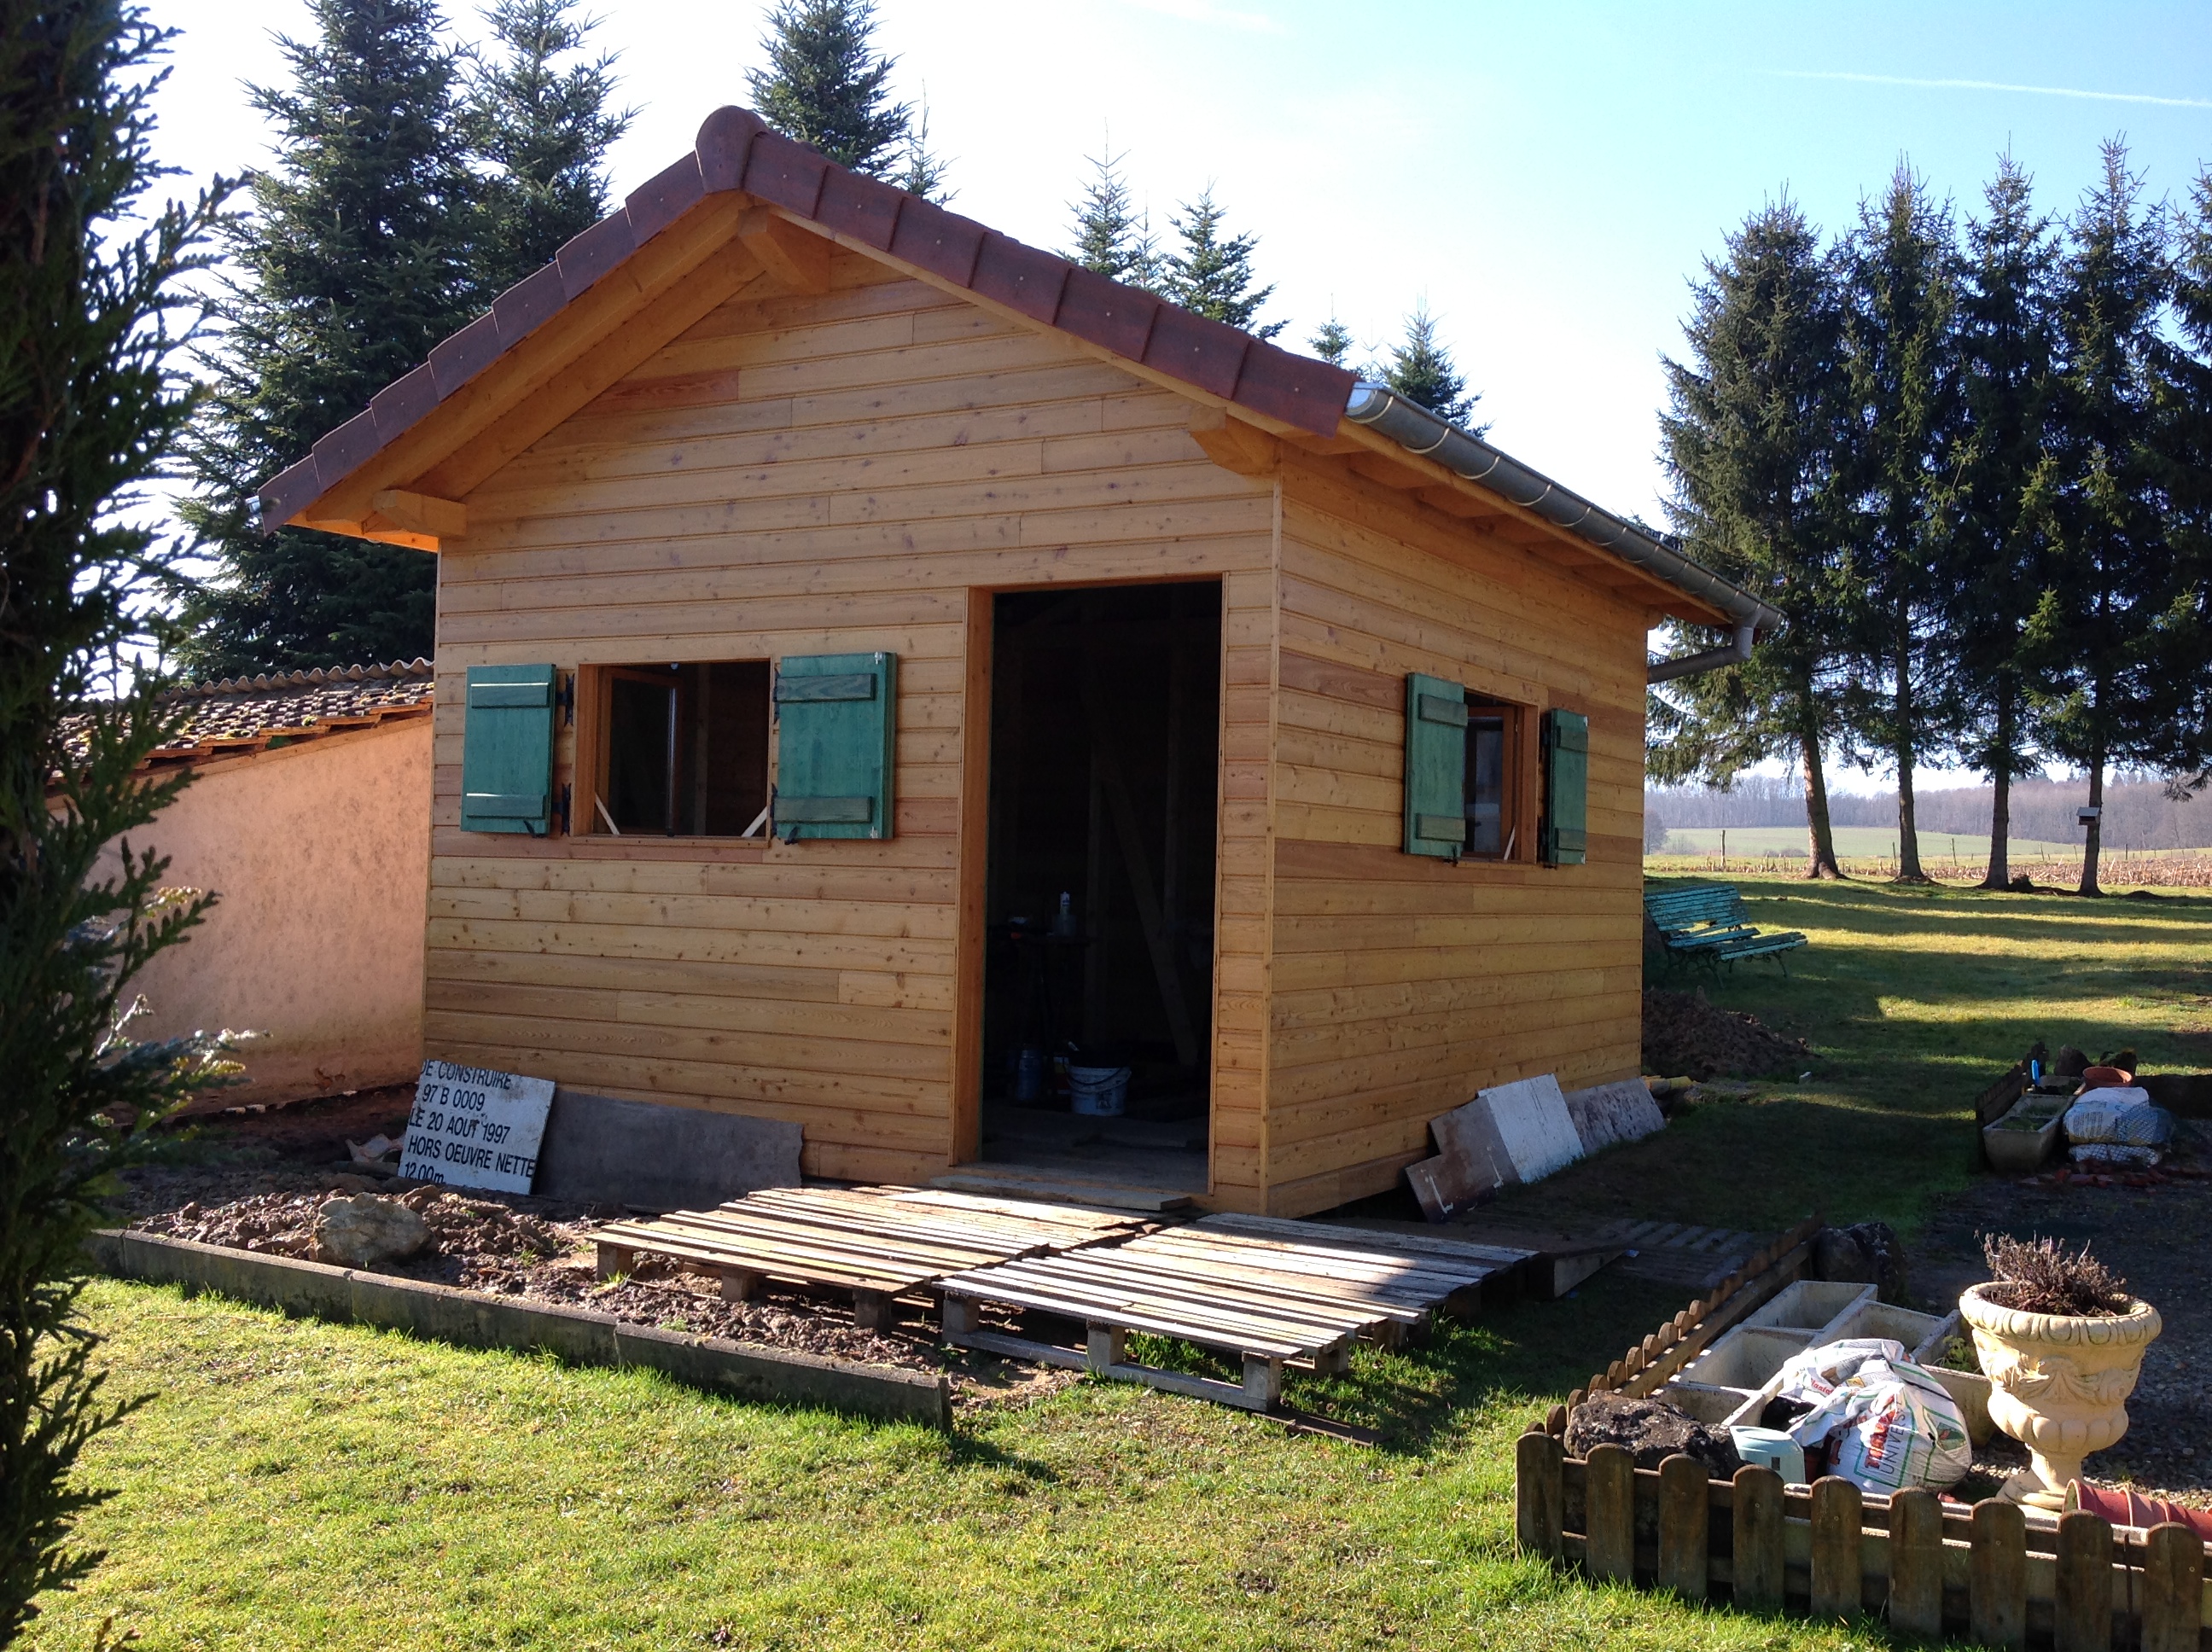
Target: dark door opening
<point x="1098" y="976"/>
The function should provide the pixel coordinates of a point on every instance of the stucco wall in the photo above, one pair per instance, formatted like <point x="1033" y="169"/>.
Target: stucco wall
<point x="320" y="854"/>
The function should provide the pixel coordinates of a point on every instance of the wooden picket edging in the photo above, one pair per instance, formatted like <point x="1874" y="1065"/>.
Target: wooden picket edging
<point x="1643" y="1368"/>
<point x="2000" y="1574"/>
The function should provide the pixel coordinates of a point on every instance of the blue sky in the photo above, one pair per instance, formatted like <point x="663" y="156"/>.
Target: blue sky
<point x="1546" y="178"/>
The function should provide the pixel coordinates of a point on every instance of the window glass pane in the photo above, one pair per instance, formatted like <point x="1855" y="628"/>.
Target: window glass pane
<point x="1485" y="783"/>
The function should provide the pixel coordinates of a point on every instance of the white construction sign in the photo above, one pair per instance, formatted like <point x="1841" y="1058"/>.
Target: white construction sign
<point x="472" y="1128"/>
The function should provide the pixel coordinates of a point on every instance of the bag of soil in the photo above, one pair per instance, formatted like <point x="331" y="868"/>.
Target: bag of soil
<point x="1885" y="1423"/>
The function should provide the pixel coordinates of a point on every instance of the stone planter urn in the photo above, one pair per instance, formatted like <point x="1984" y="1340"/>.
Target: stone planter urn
<point x="2058" y="1384"/>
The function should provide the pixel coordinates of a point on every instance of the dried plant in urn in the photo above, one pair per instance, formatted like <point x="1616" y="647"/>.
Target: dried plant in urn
<point x="2062" y="1343"/>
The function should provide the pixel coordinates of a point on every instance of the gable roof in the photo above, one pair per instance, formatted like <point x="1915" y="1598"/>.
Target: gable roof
<point x="644" y="274"/>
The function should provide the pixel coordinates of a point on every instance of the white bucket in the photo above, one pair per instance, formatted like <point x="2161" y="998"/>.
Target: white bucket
<point x="1098" y="1093"/>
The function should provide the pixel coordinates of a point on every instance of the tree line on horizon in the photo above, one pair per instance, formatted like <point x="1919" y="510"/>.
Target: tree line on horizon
<point x="417" y="177"/>
<point x="1970" y="460"/>
<point x="2141" y="811"/>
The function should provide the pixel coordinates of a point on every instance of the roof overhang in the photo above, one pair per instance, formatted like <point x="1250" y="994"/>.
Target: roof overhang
<point x="749" y="210"/>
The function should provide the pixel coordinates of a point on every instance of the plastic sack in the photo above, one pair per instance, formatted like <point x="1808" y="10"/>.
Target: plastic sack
<point x="2098" y="1118"/>
<point x="2111" y="1153"/>
<point x="1887" y="1423"/>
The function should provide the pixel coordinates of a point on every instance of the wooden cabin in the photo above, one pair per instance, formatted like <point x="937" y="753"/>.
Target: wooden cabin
<point x="880" y="663"/>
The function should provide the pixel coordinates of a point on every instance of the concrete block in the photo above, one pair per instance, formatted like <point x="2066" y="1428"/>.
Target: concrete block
<point x="655" y="1156"/>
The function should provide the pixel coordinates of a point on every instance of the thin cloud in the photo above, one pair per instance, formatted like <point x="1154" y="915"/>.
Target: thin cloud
<point x="1204" y="11"/>
<point x="1990" y="86"/>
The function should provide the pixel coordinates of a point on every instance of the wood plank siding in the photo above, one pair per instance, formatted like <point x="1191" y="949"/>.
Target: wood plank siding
<point x="847" y="472"/>
<point x="809" y="474"/>
<point x="1399" y="984"/>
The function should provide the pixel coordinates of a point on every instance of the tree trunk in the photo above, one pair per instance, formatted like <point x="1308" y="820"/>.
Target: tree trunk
<point x="1999" y="875"/>
<point x="2094" y="839"/>
<point x="1906" y="749"/>
<point x="1820" y="862"/>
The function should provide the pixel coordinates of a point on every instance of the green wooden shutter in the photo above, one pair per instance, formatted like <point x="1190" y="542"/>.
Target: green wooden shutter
<point x="1436" y="767"/>
<point x="506" y="749"/>
<point x="836" y="720"/>
<point x="1567" y="788"/>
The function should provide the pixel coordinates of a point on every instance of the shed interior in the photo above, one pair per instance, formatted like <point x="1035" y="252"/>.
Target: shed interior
<point x="1105" y="747"/>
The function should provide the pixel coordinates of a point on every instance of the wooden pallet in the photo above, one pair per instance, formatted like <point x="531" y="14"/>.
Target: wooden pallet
<point x="1269" y="1292"/>
<point x="878" y="1243"/>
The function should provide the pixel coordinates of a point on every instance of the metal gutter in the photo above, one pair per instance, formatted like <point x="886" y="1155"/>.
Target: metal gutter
<point x="1416" y="429"/>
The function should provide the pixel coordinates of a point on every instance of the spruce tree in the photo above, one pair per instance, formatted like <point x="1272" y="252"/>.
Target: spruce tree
<point x="92" y="315"/>
<point x="1994" y="571"/>
<point x="1750" y="439"/>
<point x="1112" y="237"/>
<point x="826" y="85"/>
<point x="2107" y="683"/>
<point x="1332" y="341"/>
<point x="1901" y="426"/>
<point x="2185" y="431"/>
<point x="544" y="129"/>
<point x="352" y="264"/>
<point x="1211" y="273"/>
<point x="920" y="170"/>
<point x="1421" y="369"/>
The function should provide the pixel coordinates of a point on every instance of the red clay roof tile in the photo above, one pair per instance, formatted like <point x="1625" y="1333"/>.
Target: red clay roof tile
<point x="590" y="255"/>
<point x="944" y="243"/>
<point x="1207" y="354"/>
<point x="456" y="360"/>
<point x="787" y="173"/>
<point x="664" y="198"/>
<point x="528" y="305"/>
<point x="1020" y="278"/>
<point x="352" y="444"/>
<point x="402" y="401"/>
<point x="725" y="138"/>
<point x="1296" y="389"/>
<point x="866" y="209"/>
<point x="1106" y="312"/>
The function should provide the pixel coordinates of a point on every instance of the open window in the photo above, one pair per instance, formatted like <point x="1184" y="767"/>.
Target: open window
<point x="681" y="751"/>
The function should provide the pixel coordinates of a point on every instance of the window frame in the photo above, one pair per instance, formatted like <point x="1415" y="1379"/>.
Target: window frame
<point x="594" y="757"/>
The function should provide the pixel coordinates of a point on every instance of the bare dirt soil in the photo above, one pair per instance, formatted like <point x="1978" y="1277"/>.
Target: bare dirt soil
<point x="1685" y="1036"/>
<point x="2148" y="1228"/>
<point x="254" y="1181"/>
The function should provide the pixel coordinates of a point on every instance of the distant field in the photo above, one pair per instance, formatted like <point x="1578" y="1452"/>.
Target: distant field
<point x="1854" y="841"/>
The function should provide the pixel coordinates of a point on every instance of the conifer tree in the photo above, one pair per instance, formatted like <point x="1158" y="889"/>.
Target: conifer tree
<point x="1421" y="369"/>
<point x="544" y="129"/>
<point x="1994" y="573"/>
<point x="1332" y="341"/>
<point x="91" y="312"/>
<point x="2108" y="683"/>
<point x="2184" y="411"/>
<point x="1750" y="438"/>
<point x="1112" y="237"/>
<point x="352" y="264"/>
<point x="826" y="85"/>
<point x="921" y="171"/>
<point x="1211" y="273"/>
<point x="1901" y="427"/>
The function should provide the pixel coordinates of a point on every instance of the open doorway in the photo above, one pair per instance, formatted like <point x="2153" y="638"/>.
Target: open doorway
<point x="1098" y="976"/>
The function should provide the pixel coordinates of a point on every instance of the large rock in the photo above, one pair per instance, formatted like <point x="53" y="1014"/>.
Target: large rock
<point x="1651" y="1429"/>
<point x="368" y="1230"/>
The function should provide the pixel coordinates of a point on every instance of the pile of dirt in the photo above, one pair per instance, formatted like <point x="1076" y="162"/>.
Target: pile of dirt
<point x="476" y="1243"/>
<point x="1683" y="1036"/>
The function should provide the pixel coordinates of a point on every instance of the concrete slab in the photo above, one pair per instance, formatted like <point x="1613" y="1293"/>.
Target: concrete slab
<point x="653" y="1156"/>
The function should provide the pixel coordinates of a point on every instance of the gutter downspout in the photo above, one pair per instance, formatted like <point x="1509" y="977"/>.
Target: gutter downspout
<point x="1413" y="428"/>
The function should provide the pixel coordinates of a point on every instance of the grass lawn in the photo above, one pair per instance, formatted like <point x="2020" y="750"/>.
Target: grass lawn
<point x="295" y="1484"/>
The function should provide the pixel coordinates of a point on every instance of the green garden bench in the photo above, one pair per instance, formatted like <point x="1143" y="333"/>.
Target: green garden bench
<point x="1706" y="923"/>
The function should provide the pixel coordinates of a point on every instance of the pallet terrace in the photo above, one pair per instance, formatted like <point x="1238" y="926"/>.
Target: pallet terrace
<point x="1271" y="1292"/>
<point x="880" y="1243"/>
